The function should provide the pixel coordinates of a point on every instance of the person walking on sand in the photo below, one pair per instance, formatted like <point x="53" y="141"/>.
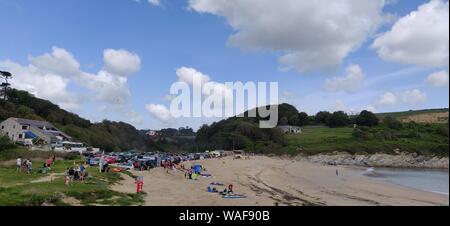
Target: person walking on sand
<point x="337" y="172"/>
<point x="18" y="164"/>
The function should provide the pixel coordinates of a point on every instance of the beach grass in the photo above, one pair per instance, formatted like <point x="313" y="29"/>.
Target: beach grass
<point x="19" y="188"/>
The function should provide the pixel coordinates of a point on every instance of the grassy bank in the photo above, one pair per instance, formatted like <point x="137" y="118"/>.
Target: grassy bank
<point x="426" y="140"/>
<point x="19" y="188"/>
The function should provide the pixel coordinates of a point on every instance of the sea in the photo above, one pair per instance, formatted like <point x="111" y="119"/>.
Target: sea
<point x="436" y="181"/>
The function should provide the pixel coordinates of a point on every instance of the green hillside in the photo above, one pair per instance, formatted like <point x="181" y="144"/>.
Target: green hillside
<point x="327" y="132"/>
<point x="107" y="135"/>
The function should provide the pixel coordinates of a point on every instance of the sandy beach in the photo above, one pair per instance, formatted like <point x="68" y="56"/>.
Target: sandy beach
<point x="270" y="181"/>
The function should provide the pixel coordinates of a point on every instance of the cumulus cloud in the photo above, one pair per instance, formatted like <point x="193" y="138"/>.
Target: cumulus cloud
<point x="121" y="62"/>
<point x="438" y="79"/>
<point x="350" y="83"/>
<point x="42" y="83"/>
<point x="408" y="97"/>
<point x="387" y="99"/>
<point x="49" y="75"/>
<point x="421" y="37"/>
<point x="413" y="97"/>
<point x="309" y="35"/>
<point x="160" y="112"/>
<point x="188" y="75"/>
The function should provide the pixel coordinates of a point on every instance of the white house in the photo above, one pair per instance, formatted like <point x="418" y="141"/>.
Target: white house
<point x="290" y="129"/>
<point x="25" y="130"/>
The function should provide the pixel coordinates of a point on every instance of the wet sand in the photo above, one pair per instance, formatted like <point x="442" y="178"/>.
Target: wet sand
<point x="274" y="181"/>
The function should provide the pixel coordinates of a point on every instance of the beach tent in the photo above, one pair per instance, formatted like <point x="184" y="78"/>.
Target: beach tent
<point x="198" y="169"/>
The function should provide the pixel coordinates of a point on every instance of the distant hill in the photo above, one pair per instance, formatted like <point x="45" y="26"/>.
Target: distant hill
<point x="420" y="116"/>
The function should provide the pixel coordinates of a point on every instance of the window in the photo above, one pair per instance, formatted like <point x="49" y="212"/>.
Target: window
<point x="3" y="127"/>
<point x="24" y="127"/>
<point x="14" y="126"/>
<point x="20" y="136"/>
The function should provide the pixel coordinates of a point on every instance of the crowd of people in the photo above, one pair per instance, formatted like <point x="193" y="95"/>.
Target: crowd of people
<point x="75" y="174"/>
<point x="24" y="165"/>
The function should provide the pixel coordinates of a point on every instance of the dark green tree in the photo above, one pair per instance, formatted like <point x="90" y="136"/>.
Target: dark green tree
<point x="367" y="118"/>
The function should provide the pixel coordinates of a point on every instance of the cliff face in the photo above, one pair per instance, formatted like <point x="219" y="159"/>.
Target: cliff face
<point x="402" y="160"/>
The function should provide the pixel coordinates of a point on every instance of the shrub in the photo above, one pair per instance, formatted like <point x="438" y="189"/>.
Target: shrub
<point x="338" y="119"/>
<point x="367" y="118"/>
<point x="392" y="123"/>
<point x="6" y="144"/>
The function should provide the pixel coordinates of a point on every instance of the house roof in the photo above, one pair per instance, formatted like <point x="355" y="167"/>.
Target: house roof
<point x="51" y="131"/>
<point x="33" y="122"/>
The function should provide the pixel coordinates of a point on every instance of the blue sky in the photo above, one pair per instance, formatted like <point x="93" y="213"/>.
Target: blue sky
<point x="167" y="36"/>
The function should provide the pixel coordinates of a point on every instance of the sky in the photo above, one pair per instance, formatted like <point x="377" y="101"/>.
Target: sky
<point x="117" y="59"/>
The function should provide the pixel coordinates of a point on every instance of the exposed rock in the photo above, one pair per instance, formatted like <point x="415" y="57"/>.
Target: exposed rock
<point x="401" y="160"/>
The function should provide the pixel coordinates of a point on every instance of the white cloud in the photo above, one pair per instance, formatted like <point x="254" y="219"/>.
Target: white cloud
<point x="151" y="2"/>
<point x="49" y="75"/>
<point x="438" y="79"/>
<point x="42" y="83"/>
<point x="186" y="74"/>
<point x="121" y="62"/>
<point x="350" y="83"/>
<point x="107" y="87"/>
<point x="59" y="62"/>
<point x="387" y="99"/>
<point x="408" y="97"/>
<point x="413" y="97"/>
<point x="160" y="112"/>
<point x="310" y="35"/>
<point x="154" y="2"/>
<point x="422" y="37"/>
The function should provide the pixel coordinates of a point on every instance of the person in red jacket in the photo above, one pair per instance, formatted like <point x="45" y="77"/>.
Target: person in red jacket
<point x="230" y="189"/>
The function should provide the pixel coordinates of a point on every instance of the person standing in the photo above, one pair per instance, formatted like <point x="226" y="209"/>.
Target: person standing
<point x="337" y="172"/>
<point x="101" y="164"/>
<point x="81" y="172"/>
<point x="19" y="164"/>
<point x="29" y="166"/>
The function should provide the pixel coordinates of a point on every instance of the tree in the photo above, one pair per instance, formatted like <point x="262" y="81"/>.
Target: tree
<point x="338" y="119"/>
<point x="5" y="85"/>
<point x="303" y="119"/>
<point x="322" y="117"/>
<point x="367" y="118"/>
<point x="283" y="121"/>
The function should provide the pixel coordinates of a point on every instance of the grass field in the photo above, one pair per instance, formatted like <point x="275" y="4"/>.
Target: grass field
<point x="19" y="188"/>
<point x="317" y="139"/>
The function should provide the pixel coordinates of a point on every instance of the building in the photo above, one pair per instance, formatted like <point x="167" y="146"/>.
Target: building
<point x="153" y="133"/>
<point x="290" y="129"/>
<point x="25" y="131"/>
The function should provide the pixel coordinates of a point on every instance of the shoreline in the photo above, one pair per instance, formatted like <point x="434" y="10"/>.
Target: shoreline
<point x="401" y="160"/>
